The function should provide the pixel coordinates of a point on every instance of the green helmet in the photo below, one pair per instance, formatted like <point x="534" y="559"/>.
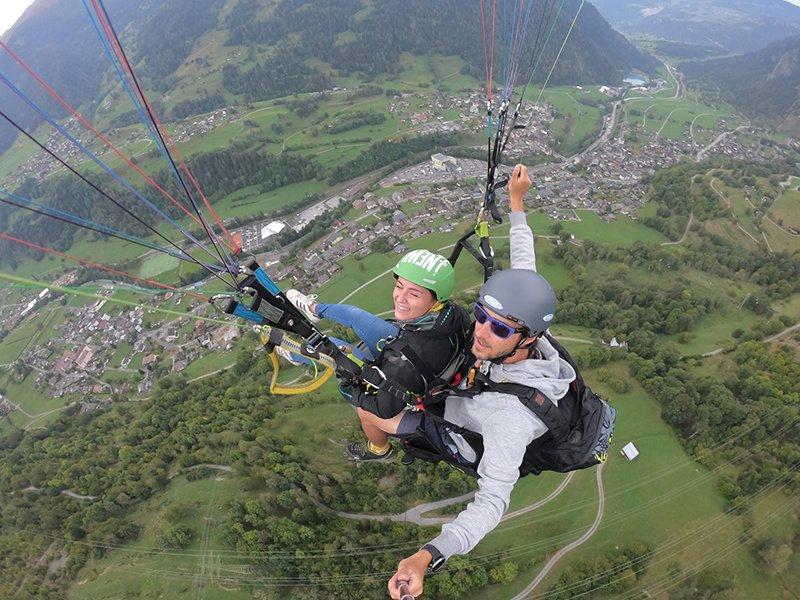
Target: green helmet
<point x="429" y="270"/>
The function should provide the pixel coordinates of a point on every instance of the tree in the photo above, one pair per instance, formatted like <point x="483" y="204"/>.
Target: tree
<point x="179" y="536"/>
<point x="504" y="573"/>
<point x="774" y="557"/>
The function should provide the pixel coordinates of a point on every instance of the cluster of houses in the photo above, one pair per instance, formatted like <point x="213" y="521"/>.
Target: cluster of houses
<point x="186" y="130"/>
<point x="76" y="359"/>
<point x="444" y="207"/>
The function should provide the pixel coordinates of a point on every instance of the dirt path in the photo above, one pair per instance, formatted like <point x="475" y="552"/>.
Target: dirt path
<point x="72" y="494"/>
<point x="733" y="215"/>
<point x="542" y="502"/>
<point x="766" y="340"/>
<point x="412" y="515"/>
<point x="223" y="468"/>
<point x="669" y="116"/>
<point x="415" y="514"/>
<point x="691" y="127"/>
<point x="550" y="565"/>
<point x="685" y="233"/>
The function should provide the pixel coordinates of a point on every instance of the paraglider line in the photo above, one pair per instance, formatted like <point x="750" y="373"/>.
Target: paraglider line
<point x="114" y="38"/>
<point x="98" y="161"/>
<point x="95" y="265"/>
<point x="66" y="217"/>
<point x="100" y="191"/>
<point x="50" y="90"/>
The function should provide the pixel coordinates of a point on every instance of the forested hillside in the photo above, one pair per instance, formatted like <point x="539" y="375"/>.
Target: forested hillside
<point x="722" y="25"/>
<point x="287" y="46"/>
<point x="763" y="83"/>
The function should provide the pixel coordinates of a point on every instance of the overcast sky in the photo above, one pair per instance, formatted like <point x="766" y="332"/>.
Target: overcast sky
<point x="10" y="11"/>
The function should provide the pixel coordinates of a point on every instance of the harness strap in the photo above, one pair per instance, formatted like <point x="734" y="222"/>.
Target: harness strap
<point x="404" y="348"/>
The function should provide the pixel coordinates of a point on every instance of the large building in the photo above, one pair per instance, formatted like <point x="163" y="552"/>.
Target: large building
<point x="442" y="162"/>
<point x="273" y="228"/>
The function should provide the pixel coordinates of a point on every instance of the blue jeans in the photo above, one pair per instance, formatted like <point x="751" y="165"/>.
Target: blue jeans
<point x="370" y="329"/>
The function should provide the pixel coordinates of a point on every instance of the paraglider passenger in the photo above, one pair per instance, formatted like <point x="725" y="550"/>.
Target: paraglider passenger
<point x="424" y="345"/>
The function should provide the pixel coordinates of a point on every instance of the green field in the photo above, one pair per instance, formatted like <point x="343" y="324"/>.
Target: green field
<point x="645" y="501"/>
<point x="40" y="410"/>
<point x="576" y="124"/>
<point x="205" y="569"/>
<point x="786" y="209"/>
<point x="16" y="342"/>
<point x="213" y="361"/>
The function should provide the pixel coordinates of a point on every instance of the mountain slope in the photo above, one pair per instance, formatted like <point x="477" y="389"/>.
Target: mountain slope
<point x="283" y="46"/>
<point x="765" y="83"/>
<point x="728" y="25"/>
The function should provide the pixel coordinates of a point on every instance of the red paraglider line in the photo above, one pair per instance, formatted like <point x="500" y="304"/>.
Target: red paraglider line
<point x="95" y="265"/>
<point x="66" y="105"/>
<point x="102" y="17"/>
<point x="485" y="50"/>
<point x="491" y="62"/>
<point x="514" y="50"/>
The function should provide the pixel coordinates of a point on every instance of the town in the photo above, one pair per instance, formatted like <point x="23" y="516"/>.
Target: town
<point x="103" y="350"/>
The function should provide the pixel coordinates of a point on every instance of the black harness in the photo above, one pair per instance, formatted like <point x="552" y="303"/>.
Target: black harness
<point x="425" y="443"/>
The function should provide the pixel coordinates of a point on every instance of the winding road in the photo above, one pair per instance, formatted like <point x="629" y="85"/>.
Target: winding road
<point x="415" y="514"/>
<point x="550" y="565"/>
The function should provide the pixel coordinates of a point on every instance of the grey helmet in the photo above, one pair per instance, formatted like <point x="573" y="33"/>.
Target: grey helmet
<point x="522" y="296"/>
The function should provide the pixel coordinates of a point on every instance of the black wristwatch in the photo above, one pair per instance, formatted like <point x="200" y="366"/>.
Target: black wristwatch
<point x="437" y="560"/>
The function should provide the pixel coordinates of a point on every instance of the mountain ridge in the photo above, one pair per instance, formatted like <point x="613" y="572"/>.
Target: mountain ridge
<point x="763" y="83"/>
<point x="341" y="36"/>
<point x="730" y="26"/>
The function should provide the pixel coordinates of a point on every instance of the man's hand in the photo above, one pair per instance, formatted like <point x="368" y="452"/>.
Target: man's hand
<point x="412" y="570"/>
<point x="518" y="185"/>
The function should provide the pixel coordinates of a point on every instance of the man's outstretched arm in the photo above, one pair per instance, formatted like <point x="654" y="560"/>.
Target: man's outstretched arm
<point x="523" y="255"/>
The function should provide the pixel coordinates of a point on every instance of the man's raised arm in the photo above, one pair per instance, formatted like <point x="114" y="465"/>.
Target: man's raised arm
<point x="523" y="255"/>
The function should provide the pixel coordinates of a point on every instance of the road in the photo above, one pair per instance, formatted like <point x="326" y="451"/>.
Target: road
<point x="550" y="565"/>
<point x="701" y="155"/>
<point x="414" y="514"/>
<point x="766" y="340"/>
<point x="685" y="232"/>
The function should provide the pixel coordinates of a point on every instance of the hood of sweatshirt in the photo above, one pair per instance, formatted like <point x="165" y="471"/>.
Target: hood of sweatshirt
<point x="548" y="373"/>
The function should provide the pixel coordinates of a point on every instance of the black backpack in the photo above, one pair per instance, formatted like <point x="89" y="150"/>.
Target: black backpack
<point x="579" y="428"/>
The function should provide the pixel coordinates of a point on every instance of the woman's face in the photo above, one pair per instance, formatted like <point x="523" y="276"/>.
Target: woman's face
<point x="411" y="301"/>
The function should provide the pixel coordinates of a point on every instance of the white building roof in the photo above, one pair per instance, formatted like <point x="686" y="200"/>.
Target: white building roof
<point x="272" y="229"/>
<point x="630" y="451"/>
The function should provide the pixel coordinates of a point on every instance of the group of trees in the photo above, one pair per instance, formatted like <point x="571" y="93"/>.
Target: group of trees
<point x="388" y="152"/>
<point x="126" y="453"/>
<point x="618" y="303"/>
<point x="197" y="106"/>
<point x="354" y="120"/>
<point x="611" y="574"/>
<point x="748" y="412"/>
<point x="224" y="171"/>
<point x="278" y="75"/>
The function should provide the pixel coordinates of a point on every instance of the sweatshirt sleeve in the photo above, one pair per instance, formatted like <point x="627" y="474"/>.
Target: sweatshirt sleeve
<point x="505" y="441"/>
<point x="523" y="255"/>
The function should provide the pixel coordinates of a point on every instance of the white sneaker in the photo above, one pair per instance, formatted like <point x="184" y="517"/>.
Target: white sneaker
<point x="303" y="303"/>
<point x="286" y="355"/>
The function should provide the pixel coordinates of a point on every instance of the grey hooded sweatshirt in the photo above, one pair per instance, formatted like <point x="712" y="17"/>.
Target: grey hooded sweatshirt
<point x="506" y="425"/>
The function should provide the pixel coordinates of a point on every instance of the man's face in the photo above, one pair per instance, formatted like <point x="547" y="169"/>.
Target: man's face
<point x="487" y="345"/>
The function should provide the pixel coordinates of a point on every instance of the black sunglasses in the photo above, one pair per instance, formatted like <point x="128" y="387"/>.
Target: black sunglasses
<point x="498" y="328"/>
